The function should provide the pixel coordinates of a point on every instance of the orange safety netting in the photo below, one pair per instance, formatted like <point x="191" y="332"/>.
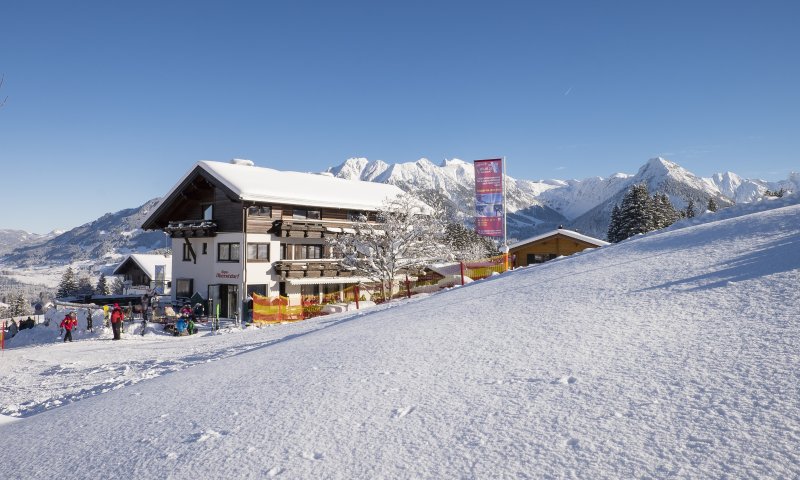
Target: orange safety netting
<point x="485" y="267"/>
<point x="275" y="310"/>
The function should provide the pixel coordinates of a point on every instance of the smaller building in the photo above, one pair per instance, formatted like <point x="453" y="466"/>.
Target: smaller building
<point x="143" y="272"/>
<point x="550" y="245"/>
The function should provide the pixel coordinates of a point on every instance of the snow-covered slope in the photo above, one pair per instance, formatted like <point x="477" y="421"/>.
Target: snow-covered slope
<point x="670" y="355"/>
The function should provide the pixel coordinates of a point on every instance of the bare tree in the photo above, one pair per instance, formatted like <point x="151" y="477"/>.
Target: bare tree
<point x="406" y="236"/>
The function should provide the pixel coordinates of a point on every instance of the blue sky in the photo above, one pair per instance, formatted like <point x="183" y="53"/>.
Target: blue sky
<point x="109" y="103"/>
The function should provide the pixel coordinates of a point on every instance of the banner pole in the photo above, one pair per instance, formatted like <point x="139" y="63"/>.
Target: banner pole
<point x="505" y="208"/>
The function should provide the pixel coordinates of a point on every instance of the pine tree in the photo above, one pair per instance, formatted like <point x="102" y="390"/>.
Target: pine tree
<point x="664" y="212"/>
<point x="68" y="285"/>
<point x="690" y="209"/>
<point x="613" y="234"/>
<point x="103" y="288"/>
<point x="117" y="286"/>
<point x="636" y="212"/>
<point x="85" y="286"/>
<point x="465" y="244"/>
<point x="19" y="306"/>
<point x="712" y="205"/>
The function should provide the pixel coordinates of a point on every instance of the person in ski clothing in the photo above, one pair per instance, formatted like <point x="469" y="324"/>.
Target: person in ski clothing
<point x="13" y="328"/>
<point x="116" y="320"/>
<point x="70" y="321"/>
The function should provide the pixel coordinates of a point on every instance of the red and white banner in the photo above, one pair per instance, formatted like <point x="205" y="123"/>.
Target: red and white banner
<point x="489" y="197"/>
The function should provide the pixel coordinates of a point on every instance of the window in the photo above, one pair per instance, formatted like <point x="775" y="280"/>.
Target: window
<point x="208" y="211"/>
<point x="309" y="291"/>
<point x="259" y="289"/>
<point x="262" y="211"/>
<point x="307" y="251"/>
<point x="184" y="287"/>
<point x="540" y="257"/>
<point x="228" y="252"/>
<point x="258" y="252"/>
<point x="302" y="213"/>
<point x="356" y="216"/>
<point x="187" y="252"/>
<point x="283" y="252"/>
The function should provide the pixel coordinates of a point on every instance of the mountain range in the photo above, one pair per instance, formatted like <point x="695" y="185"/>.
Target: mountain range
<point x="582" y="205"/>
<point x="533" y="206"/>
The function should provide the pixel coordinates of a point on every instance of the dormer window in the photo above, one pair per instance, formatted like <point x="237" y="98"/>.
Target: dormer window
<point x="208" y="211"/>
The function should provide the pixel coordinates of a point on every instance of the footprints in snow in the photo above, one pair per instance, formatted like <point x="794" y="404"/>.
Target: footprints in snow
<point x="568" y="380"/>
<point x="402" y="412"/>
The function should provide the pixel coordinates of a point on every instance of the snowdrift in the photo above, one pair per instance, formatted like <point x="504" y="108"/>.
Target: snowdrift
<point x="670" y="355"/>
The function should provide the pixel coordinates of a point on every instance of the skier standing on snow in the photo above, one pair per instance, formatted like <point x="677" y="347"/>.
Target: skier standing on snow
<point x="68" y="324"/>
<point x="116" y="320"/>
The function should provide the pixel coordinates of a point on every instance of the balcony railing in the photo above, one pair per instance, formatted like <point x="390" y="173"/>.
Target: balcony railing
<point x="312" y="267"/>
<point x="191" y="228"/>
<point x="299" y="228"/>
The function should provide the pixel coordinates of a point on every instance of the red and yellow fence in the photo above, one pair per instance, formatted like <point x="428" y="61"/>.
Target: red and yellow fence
<point x="275" y="310"/>
<point x="485" y="267"/>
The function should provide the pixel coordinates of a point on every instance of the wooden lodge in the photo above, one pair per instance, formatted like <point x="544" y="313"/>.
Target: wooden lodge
<point x="541" y="248"/>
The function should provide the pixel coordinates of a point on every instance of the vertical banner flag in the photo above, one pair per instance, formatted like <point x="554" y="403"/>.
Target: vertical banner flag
<point x="489" y="197"/>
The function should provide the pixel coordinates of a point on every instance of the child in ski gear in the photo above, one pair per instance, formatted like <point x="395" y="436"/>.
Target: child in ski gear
<point x="181" y="326"/>
<point x="70" y="321"/>
<point x="116" y="320"/>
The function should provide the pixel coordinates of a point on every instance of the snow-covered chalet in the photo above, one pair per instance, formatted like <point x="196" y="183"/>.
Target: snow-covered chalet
<point x="238" y="229"/>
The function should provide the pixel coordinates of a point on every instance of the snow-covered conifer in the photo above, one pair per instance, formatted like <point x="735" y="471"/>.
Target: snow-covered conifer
<point x="117" y="286"/>
<point x="690" y="209"/>
<point x="68" y="285"/>
<point x="636" y="212"/>
<point x="614" y="226"/>
<point x="85" y="285"/>
<point x="103" y="288"/>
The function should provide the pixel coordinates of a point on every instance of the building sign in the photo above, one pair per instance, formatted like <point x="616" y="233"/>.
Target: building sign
<point x="228" y="275"/>
<point x="489" y="197"/>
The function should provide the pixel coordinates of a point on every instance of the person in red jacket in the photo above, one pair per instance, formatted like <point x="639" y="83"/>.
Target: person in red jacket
<point x="116" y="320"/>
<point x="70" y="321"/>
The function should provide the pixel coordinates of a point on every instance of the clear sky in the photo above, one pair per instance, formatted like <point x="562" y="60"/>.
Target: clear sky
<point x="109" y="103"/>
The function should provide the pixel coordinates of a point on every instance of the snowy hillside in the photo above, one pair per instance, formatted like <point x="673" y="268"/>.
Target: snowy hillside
<point x="95" y="244"/>
<point x="11" y="239"/>
<point x="669" y="355"/>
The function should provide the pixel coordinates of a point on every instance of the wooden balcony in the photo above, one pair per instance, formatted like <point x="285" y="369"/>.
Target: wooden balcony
<point x="295" y="228"/>
<point x="312" y="268"/>
<point x="191" y="228"/>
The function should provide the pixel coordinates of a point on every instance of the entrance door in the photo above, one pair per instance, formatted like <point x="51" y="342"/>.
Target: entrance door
<point x="225" y="297"/>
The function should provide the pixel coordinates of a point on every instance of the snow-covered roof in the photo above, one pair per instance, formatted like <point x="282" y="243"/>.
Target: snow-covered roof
<point x="148" y="262"/>
<point x="445" y="269"/>
<point x="562" y="231"/>
<point x="260" y="184"/>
